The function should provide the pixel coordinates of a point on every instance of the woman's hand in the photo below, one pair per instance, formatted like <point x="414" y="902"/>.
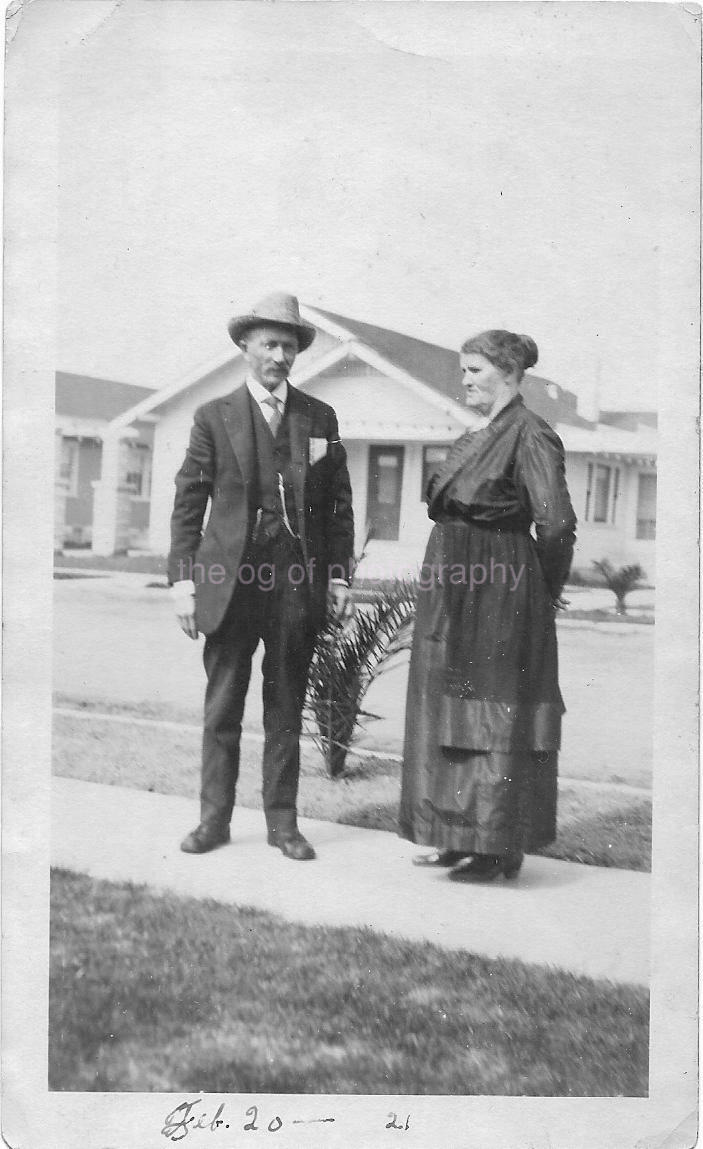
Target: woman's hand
<point x="560" y="603"/>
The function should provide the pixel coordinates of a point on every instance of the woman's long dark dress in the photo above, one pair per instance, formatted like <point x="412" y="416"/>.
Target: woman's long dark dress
<point x="483" y="717"/>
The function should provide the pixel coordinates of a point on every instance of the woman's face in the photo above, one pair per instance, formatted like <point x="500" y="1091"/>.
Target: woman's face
<point x="484" y="383"/>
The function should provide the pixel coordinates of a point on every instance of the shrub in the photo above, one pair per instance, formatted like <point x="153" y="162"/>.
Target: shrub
<point x="620" y="581"/>
<point x="346" y="661"/>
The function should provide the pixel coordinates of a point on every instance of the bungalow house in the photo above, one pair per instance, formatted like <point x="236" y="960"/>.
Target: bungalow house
<point x="399" y="404"/>
<point x="84" y="408"/>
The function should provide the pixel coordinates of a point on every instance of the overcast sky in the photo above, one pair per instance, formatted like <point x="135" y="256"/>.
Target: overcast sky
<point x="437" y="168"/>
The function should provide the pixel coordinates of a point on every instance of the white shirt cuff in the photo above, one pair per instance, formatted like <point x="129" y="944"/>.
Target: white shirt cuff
<point x="182" y="587"/>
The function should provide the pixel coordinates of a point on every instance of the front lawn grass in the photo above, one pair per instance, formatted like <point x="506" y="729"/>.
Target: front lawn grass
<point x="162" y="994"/>
<point x="600" y="827"/>
<point x="602" y="835"/>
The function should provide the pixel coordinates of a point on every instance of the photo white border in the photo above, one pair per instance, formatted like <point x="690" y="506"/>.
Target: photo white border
<point x="34" y="1117"/>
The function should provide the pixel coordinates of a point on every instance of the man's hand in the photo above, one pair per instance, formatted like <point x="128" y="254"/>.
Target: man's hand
<point x="183" y="598"/>
<point x="340" y="605"/>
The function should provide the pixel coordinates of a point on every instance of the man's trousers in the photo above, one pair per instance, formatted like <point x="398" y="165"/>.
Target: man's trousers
<point x="269" y="604"/>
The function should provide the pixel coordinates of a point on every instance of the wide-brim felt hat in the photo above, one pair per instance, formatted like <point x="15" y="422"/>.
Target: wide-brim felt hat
<point x="279" y="308"/>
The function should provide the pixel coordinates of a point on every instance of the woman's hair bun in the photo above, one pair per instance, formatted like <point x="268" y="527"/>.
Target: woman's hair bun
<point x="530" y="354"/>
<point x="508" y="351"/>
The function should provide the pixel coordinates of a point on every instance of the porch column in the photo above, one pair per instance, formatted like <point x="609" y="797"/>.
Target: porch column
<point x="60" y="493"/>
<point x="112" y="498"/>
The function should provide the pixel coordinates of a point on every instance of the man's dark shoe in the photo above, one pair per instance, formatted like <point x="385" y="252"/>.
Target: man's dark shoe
<point x="205" y="837"/>
<point x="293" y="846"/>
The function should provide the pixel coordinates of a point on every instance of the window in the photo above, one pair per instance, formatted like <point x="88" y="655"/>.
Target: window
<point x="69" y="465"/>
<point x="432" y="459"/>
<point x="616" y="493"/>
<point x="602" y="493"/>
<point x="138" y="474"/>
<point x="646" y="507"/>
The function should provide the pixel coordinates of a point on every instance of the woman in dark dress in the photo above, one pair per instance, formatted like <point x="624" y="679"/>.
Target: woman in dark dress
<point x="484" y="709"/>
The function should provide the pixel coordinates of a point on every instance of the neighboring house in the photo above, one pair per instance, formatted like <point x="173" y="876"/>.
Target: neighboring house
<point x="84" y="408"/>
<point x="399" y="403"/>
<point x="629" y="420"/>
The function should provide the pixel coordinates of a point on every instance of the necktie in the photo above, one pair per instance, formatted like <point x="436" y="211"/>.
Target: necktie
<point x="276" y="415"/>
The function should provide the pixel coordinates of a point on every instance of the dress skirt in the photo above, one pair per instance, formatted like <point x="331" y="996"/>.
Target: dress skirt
<point x="483" y="716"/>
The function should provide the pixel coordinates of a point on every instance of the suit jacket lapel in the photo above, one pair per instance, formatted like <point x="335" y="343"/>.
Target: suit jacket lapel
<point x="236" y="414"/>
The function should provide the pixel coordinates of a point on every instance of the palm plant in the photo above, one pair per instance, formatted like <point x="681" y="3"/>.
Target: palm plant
<point x="346" y="661"/>
<point x="620" y="581"/>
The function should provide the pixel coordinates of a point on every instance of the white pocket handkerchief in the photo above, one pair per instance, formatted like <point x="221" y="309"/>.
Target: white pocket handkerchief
<point x="318" y="450"/>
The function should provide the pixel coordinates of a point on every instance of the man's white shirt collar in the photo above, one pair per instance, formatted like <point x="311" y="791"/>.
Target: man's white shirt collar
<point x="259" y="392"/>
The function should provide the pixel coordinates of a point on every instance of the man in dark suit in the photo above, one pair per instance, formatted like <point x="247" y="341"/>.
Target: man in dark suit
<point x="272" y="563"/>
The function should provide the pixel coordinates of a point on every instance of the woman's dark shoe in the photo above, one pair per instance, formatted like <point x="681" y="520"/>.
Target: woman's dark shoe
<point x="444" y="858"/>
<point x="512" y="864"/>
<point x="487" y="867"/>
<point x="477" y="868"/>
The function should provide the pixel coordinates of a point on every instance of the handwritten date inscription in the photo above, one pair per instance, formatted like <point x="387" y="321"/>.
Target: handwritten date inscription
<point x="181" y="1121"/>
<point x="187" y="1118"/>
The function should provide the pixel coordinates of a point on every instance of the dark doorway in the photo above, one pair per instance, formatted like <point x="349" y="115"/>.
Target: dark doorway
<point x="385" y="484"/>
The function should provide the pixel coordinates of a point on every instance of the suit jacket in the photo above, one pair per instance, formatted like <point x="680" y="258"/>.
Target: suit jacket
<point x="220" y="468"/>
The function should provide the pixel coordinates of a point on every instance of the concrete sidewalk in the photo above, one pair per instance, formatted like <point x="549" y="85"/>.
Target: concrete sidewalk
<point x="584" y="919"/>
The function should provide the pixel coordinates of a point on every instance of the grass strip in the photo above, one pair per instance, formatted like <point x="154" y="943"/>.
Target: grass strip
<point x="149" y="993"/>
<point x="133" y="563"/>
<point x="596" y="827"/>
<point x="606" y="616"/>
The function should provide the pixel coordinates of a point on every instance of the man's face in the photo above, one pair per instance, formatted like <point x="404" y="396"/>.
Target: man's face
<point x="270" y="352"/>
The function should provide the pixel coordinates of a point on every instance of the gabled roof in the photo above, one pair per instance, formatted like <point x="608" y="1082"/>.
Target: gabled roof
<point x="427" y="367"/>
<point x="85" y="397"/>
<point x="438" y="367"/>
<point x="435" y="365"/>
